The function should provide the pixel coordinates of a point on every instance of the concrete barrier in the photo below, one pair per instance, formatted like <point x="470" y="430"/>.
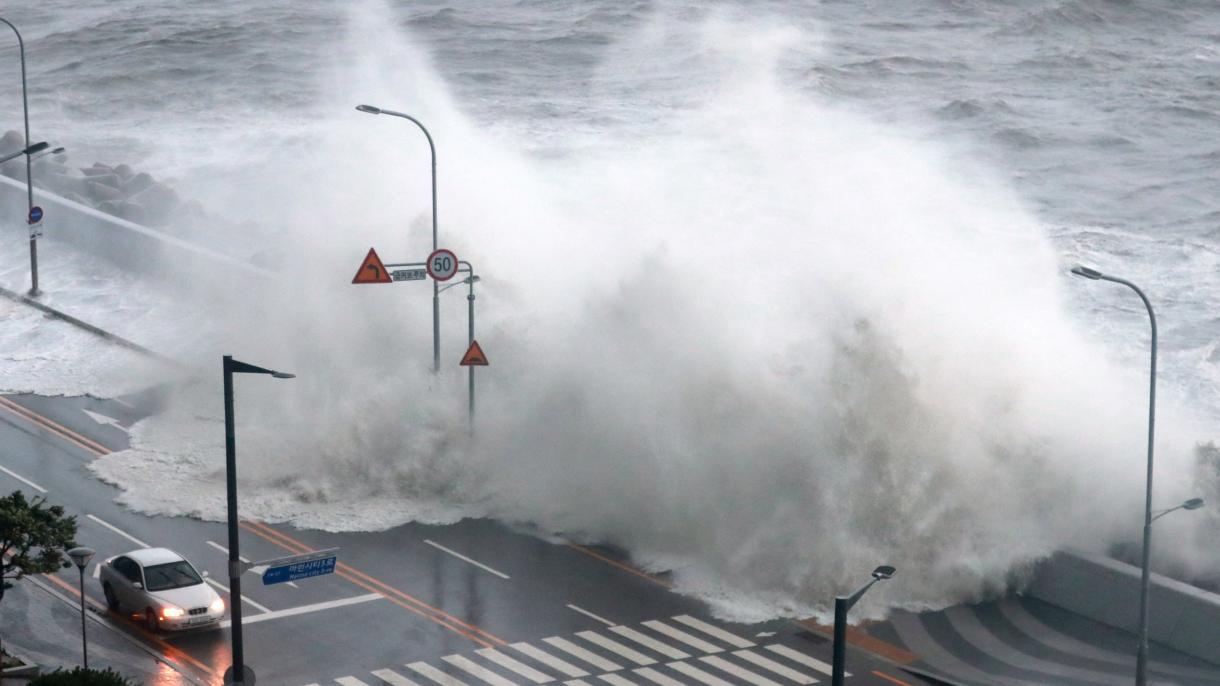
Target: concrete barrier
<point x="126" y="244"/>
<point x="1181" y="616"/>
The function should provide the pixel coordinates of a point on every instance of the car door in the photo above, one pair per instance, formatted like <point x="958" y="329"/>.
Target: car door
<point x="130" y="597"/>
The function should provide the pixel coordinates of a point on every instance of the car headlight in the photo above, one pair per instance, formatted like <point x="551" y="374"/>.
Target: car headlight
<point x="218" y="605"/>
<point x="171" y="612"/>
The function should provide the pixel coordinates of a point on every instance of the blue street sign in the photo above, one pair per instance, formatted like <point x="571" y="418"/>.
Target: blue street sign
<point x="299" y="570"/>
<point x="35" y="214"/>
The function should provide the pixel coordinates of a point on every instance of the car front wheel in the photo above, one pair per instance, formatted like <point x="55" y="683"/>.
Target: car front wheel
<point x="112" y="601"/>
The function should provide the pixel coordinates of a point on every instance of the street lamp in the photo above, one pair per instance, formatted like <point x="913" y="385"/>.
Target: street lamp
<point x="436" y="303"/>
<point x="29" y="179"/>
<point x="238" y="674"/>
<point x="81" y="557"/>
<point x="1192" y="504"/>
<point x="1141" y="656"/>
<point x="842" y="607"/>
<point x="31" y="150"/>
<point x="470" y="281"/>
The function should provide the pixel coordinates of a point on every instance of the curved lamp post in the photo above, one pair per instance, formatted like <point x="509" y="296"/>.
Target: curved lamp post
<point x="239" y="674"/>
<point x="842" y="607"/>
<point x="29" y="179"/>
<point x="80" y="557"/>
<point x="436" y="302"/>
<point x="1141" y="656"/>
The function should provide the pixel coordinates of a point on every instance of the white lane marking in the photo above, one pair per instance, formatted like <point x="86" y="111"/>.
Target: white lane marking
<point x="518" y="667"/>
<point x="731" y="639"/>
<point x="428" y="671"/>
<point x="765" y="634"/>
<point x="103" y="419"/>
<point x="393" y="678"/>
<point x="576" y="651"/>
<point x="350" y="681"/>
<point x="650" y="642"/>
<point x="616" y="680"/>
<point x="304" y="609"/>
<point x="586" y="613"/>
<point x="24" y="480"/>
<point x="801" y="658"/>
<point x="478" y="671"/>
<point x="678" y="634"/>
<point x="775" y="667"/>
<point x="616" y="647"/>
<point x="119" y="531"/>
<point x="549" y="660"/>
<point x="97" y="570"/>
<point x="698" y="674"/>
<point x="462" y="557"/>
<point x="739" y="672"/>
<point x="244" y="599"/>
<point x="657" y="677"/>
<point x="575" y="682"/>
<point x="257" y="571"/>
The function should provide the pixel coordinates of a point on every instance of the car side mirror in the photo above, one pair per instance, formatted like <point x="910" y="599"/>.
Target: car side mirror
<point x="137" y="584"/>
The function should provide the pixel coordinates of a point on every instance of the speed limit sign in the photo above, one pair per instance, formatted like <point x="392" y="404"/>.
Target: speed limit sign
<point x="442" y="265"/>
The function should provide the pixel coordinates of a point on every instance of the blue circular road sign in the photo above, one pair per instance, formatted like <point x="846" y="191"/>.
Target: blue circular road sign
<point x="35" y="214"/>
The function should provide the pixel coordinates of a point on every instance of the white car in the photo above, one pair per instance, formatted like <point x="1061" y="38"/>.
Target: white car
<point x="163" y="587"/>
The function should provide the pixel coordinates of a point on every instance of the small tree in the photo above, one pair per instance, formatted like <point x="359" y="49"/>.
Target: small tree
<point x="33" y="538"/>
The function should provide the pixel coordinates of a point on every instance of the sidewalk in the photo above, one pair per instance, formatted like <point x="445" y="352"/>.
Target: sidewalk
<point x="41" y="626"/>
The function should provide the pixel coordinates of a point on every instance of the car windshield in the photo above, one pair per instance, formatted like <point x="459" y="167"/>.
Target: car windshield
<point x="171" y="575"/>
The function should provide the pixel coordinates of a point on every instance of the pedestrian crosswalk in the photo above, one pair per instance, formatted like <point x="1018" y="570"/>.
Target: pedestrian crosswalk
<point x="678" y="651"/>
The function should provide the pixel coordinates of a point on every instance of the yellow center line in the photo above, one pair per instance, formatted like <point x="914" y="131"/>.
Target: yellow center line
<point x="97" y="449"/>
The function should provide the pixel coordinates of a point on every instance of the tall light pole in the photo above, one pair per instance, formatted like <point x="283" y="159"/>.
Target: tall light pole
<point x="1141" y="656"/>
<point x="81" y="557"/>
<point x="436" y="298"/>
<point x="29" y="178"/>
<point x="842" y="607"/>
<point x="239" y="674"/>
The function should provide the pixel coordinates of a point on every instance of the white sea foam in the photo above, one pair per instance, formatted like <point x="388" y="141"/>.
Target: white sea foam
<point x="767" y="346"/>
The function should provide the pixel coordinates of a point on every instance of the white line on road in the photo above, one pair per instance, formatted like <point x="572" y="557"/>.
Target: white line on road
<point x="679" y="635"/>
<point x="303" y="609"/>
<point x="739" y="672"/>
<point x="772" y="665"/>
<point x="616" y="647"/>
<point x="572" y="649"/>
<point x="616" y="680"/>
<point x="586" y="613"/>
<point x="550" y="660"/>
<point x="430" y="672"/>
<point x="731" y="639"/>
<point x="698" y="674"/>
<point x="518" y="667"/>
<point x="650" y="642"/>
<point x="479" y="671"/>
<point x="244" y="599"/>
<point x="393" y="678"/>
<point x="119" y="531"/>
<point x="24" y="480"/>
<point x="576" y="682"/>
<point x="657" y="677"/>
<point x="97" y="570"/>
<point x="801" y="658"/>
<point x="350" y="681"/>
<point x="462" y="557"/>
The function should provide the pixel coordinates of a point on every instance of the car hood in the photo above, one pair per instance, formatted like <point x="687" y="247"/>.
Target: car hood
<point x="187" y="597"/>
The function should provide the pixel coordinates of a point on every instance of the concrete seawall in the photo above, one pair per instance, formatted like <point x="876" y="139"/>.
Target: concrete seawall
<point x="1181" y="616"/>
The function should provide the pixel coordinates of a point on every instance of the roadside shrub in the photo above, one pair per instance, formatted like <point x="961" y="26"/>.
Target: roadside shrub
<point x="82" y="677"/>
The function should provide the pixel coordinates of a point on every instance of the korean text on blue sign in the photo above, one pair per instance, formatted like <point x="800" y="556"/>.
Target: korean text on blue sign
<point x="299" y="570"/>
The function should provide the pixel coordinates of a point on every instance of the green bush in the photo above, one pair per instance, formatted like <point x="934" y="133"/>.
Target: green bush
<point x="82" y="677"/>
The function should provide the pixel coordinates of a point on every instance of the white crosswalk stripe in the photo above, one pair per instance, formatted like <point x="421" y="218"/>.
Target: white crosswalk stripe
<point x="478" y="671"/>
<point x="393" y="678"/>
<point x="737" y="671"/>
<point x="350" y="681"/>
<point x="698" y="674"/>
<point x="616" y="680"/>
<point x="775" y="667"/>
<point x="658" y="678"/>
<point x="511" y="664"/>
<point x="576" y="682"/>
<point x="432" y="673"/>
<point x="802" y="658"/>
<point x="549" y="660"/>
<point x="617" y="648"/>
<point x="576" y="651"/>
<point x="731" y="639"/>
<point x="679" y="635"/>
<point x="649" y="642"/>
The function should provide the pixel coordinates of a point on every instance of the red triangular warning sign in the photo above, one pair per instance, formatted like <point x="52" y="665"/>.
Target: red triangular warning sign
<point x="474" y="356"/>
<point x="372" y="270"/>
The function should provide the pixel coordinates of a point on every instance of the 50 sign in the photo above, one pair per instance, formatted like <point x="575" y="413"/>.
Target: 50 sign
<point x="442" y="264"/>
